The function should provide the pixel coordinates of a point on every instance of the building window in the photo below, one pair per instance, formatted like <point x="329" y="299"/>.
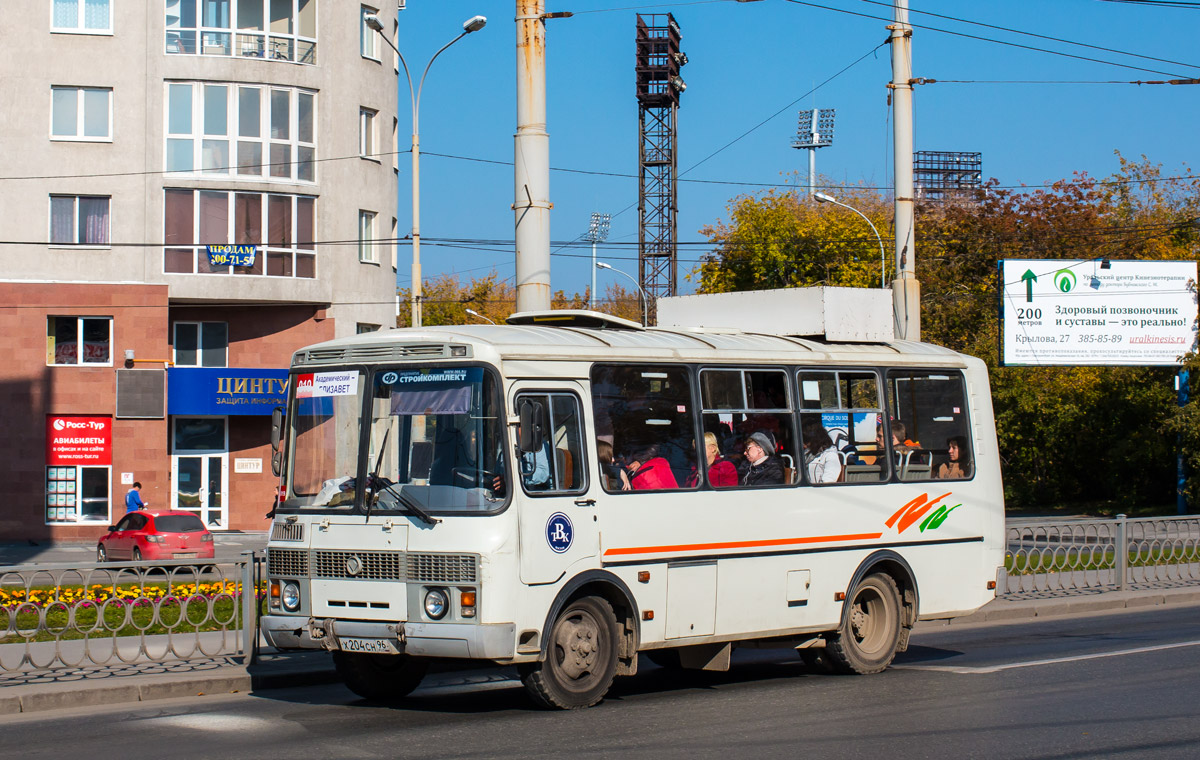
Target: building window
<point x="278" y="30"/>
<point x="366" y="237"/>
<point x="365" y="327"/>
<point x="75" y="341"/>
<point x="201" y="344"/>
<point x="368" y="44"/>
<point x="79" y="220"/>
<point x="247" y="132"/>
<point x="281" y="227"/>
<point x="78" y="494"/>
<point x="366" y="133"/>
<point x="395" y="244"/>
<point x="81" y="16"/>
<point x="81" y="113"/>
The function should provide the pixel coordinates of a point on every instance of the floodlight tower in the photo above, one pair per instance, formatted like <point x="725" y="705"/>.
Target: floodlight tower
<point x="658" y="89"/>
<point x="814" y="131"/>
<point x="597" y="233"/>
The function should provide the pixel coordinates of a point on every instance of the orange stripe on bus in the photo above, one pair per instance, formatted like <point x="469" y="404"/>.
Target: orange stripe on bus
<point x="741" y="544"/>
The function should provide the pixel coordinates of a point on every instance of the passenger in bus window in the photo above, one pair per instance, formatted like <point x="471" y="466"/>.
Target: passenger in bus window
<point x="648" y="471"/>
<point x="721" y="472"/>
<point x="760" y="467"/>
<point x="616" y="478"/>
<point x="824" y="464"/>
<point x="959" y="465"/>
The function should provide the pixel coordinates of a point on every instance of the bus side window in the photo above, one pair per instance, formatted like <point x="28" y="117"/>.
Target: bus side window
<point x="931" y="407"/>
<point x="840" y="414"/>
<point x="557" y="465"/>
<point x="645" y="414"/>
<point x="741" y="404"/>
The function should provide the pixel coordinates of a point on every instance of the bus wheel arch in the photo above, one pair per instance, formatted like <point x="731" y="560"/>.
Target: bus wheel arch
<point x="880" y="609"/>
<point x="612" y="589"/>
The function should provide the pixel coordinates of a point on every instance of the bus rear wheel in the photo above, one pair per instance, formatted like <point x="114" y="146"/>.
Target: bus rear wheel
<point x="581" y="658"/>
<point x="867" y="640"/>
<point x="380" y="677"/>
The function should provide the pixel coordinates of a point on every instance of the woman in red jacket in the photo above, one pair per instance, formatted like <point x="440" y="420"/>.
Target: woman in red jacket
<point x="721" y="472"/>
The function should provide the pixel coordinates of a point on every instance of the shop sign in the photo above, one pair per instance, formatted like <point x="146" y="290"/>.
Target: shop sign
<point x="78" y="440"/>
<point x="225" y="390"/>
<point x="239" y="255"/>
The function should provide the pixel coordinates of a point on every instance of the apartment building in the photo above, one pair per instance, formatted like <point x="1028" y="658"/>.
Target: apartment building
<point x="192" y="190"/>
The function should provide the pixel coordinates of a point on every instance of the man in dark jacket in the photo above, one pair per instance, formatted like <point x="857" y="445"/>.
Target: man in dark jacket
<point x="760" y="466"/>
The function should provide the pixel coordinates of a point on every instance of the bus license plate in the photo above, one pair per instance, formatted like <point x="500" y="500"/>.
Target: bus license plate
<point x="185" y="555"/>
<point x="376" y="646"/>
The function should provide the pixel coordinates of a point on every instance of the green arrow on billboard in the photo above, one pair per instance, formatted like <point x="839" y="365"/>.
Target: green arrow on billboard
<point x="1029" y="278"/>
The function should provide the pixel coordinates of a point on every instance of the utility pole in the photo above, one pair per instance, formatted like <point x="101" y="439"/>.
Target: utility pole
<point x="906" y="291"/>
<point x="531" y="166"/>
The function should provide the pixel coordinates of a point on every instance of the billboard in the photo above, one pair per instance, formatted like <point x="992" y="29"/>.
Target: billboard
<point x="1071" y="312"/>
<point x="76" y="439"/>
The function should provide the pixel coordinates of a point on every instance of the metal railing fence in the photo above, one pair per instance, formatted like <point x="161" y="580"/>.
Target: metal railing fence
<point x="56" y="616"/>
<point x="1102" y="555"/>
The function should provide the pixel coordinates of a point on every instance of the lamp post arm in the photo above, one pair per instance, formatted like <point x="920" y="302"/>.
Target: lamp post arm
<point x="641" y="292"/>
<point x="882" y="259"/>
<point x="412" y="94"/>
<point x="421" y="86"/>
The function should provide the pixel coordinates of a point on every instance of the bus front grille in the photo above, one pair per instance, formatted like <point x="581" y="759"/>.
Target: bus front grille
<point x="370" y="566"/>
<point x="283" y="531"/>
<point x="441" y="568"/>
<point x="290" y="563"/>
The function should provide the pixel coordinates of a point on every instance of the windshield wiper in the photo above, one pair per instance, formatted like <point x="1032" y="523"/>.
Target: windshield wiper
<point x="408" y="504"/>
<point x="374" y="478"/>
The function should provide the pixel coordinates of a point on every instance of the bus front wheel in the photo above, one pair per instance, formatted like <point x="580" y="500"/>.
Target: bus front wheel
<point x="581" y="657"/>
<point x="870" y="632"/>
<point x="380" y="677"/>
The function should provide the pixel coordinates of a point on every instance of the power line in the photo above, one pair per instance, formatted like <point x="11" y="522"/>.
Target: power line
<point x="1038" y="36"/>
<point x="984" y="39"/>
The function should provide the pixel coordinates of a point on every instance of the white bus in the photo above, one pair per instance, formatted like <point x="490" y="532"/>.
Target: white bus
<point x="567" y="490"/>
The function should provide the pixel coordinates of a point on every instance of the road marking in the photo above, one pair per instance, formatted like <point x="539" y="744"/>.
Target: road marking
<point x="1035" y="663"/>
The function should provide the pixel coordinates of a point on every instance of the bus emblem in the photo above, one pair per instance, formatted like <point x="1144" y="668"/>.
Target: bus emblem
<point x="353" y="565"/>
<point x="559" y="532"/>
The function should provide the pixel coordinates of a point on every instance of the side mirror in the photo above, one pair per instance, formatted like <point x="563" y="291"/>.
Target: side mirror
<point x="276" y="427"/>
<point x="111" y="528"/>
<point x="531" y="436"/>
<point x="277" y="463"/>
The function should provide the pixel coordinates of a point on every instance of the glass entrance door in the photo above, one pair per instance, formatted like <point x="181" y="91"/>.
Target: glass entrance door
<point x="200" y="468"/>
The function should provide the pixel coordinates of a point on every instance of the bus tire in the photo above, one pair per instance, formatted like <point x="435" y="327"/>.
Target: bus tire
<point x="380" y="677"/>
<point x="869" y="634"/>
<point x="581" y="657"/>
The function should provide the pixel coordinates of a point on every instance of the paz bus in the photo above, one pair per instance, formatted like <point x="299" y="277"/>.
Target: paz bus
<point x="474" y="492"/>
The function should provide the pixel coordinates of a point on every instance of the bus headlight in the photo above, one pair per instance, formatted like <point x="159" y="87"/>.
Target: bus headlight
<point x="436" y="603"/>
<point x="291" y="596"/>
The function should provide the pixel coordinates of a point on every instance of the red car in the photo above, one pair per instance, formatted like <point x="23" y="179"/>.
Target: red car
<point x="156" y="535"/>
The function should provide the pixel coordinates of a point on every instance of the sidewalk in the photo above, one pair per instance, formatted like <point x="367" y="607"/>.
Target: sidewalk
<point x="147" y="681"/>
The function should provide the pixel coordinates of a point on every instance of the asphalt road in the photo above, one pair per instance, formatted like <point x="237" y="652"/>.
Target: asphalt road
<point x="1119" y="685"/>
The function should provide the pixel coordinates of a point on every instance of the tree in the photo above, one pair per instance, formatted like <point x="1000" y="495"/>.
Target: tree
<point x="1081" y="434"/>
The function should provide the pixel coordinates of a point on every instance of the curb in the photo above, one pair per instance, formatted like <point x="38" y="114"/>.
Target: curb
<point x="1001" y="610"/>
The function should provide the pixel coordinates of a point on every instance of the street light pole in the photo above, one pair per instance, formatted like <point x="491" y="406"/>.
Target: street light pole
<point x="823" y="198"/>
<point x="473" y="24"/>
<point x="642" y="293"/>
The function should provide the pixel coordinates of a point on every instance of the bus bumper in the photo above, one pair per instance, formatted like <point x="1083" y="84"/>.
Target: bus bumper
<point x="494" y="641"/>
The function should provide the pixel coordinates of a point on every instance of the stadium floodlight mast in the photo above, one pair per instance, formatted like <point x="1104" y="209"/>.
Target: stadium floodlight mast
<point x="823" y="198"/>
<point x="815" y="130"/>
<point x="597" y="233"/>
<point x="473" y="24"/>
<point x="642" y="293"/>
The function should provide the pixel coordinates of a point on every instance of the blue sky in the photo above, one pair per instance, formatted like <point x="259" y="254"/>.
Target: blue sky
<point x="748" y="61"/>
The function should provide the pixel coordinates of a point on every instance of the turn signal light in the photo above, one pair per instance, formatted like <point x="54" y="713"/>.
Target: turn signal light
<point x="643" y="576"/>
<point x="467" y="599"/>
<point x="840" y="596"/>
<point x="991" y="586"/>
<point x="647" y="614"/>
<point x="274" y="589"/>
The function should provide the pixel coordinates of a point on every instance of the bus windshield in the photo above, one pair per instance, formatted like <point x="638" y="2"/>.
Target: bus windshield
<point x="435" y="438"/>
<point x="324" y="440"/>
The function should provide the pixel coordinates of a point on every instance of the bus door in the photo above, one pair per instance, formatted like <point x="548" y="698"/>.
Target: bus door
<point x="557" y="519"/>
